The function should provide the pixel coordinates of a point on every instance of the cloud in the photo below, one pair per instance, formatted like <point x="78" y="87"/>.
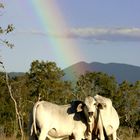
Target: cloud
<point x="108" y="34"/>
<point x="94" y="34"/>
<point x="32" y="32"/>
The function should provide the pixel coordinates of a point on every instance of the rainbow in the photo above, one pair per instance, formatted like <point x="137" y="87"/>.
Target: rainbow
<point x="65" y="50"/>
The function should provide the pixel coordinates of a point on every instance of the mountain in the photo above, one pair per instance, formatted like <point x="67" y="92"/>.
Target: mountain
<point x="16" y="74"/>
<point x="120" y="71"/>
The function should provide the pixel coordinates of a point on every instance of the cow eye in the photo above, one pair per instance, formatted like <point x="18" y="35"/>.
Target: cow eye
<point x="95" y="104"/>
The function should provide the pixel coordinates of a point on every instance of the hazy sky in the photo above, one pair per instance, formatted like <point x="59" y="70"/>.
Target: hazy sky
<point x="69" y="31"/>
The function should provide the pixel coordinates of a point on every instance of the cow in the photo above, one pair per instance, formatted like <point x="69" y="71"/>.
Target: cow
<point x="58" y="121"/>
<point x="103" y="119"/>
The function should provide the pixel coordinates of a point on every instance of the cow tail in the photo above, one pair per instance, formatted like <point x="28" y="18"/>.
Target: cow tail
<point x="34" y="116"/>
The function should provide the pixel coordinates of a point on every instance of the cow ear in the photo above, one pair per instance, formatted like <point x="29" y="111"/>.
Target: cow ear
<point x="80" y="107"/>
<point x="101" y="105"/>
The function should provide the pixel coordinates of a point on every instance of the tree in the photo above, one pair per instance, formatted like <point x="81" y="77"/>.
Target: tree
<point x="93" y="83"/>
<point x="6" y="43"/>
<point x="5" y="31"/>
<point x="7" y="116"/>
<point x="127" y="103"/>
<point x="44" y="80"/>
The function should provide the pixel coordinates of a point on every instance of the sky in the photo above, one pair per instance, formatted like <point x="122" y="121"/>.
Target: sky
<point x="69" y="31"/>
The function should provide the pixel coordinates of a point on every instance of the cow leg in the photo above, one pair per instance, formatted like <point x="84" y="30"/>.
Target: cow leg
<point x="101" y="135"/>
<point x="43" y="134"/>
<point x="101" y="129"/>
<point x="101" y="132"/>
<point x="114" y="135"/>
<point x="77" y="138"/>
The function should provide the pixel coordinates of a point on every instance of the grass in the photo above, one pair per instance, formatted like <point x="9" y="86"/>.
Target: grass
<point x="13" y="138"/>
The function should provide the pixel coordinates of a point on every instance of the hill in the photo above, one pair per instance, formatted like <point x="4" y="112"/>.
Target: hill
<point x="16" y="74"/>
<point x="120" y="71"/>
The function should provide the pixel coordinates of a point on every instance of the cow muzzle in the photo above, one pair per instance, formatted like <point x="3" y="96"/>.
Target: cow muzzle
<point x="90" y="114"/>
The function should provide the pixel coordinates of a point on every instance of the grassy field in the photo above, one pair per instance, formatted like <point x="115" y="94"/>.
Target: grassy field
<point x="13" y="138"/>
<point x="123" y="134"/>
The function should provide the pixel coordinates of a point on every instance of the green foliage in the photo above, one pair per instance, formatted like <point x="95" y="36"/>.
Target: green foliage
<point x="125" y="97"/>
<point x="129" y="104"/>
<point x="5" y="31"/>
<point x="44" y="80"/>
<point x="1" y="5"/>
<point x="5" y="42"/>
<point x="6" y="108"/>
<point x="7" y="113"/>
<point x="93" y="83"/>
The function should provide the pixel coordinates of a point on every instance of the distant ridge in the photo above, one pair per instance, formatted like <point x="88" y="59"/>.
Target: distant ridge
<point x="121" y="72"/>
<point x="16" y="74"/>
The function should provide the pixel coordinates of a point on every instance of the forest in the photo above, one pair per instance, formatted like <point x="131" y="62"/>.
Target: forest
<point x="44" y="82"/>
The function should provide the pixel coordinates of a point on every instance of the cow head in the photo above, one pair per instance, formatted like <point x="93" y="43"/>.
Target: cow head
<point x="91" y="107"/>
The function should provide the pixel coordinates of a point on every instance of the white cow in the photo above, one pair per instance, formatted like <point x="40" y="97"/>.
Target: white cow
<point x="102" y="116"/>
<point x="58" y="121"/>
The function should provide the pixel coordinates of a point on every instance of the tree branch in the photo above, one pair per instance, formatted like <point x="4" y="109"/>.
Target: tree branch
<point x="15" y="103"/>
